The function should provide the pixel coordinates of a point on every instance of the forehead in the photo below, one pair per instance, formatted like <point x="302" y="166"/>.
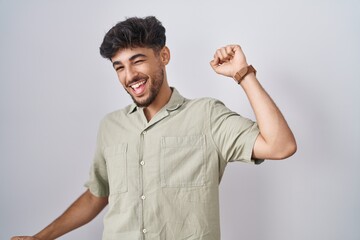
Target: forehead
<point x="125" y="54"/>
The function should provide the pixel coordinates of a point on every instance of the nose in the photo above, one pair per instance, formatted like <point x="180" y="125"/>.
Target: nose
<point x="130" y="73"/>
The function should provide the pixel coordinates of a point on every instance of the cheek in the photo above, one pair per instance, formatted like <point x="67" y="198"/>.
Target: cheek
<point x="153" y="70"/>
<point x="121" y="78"/>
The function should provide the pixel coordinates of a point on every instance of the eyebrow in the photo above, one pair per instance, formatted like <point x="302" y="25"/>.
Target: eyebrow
<point x="130" y="59"/>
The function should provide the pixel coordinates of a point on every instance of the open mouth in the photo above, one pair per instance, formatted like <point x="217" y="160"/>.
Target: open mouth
<point x="138" y="87"/>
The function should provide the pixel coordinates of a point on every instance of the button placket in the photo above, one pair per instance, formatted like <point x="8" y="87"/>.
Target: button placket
<point x="142" y="163"/>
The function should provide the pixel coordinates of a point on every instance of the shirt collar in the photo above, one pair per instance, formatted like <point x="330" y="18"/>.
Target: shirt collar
<point x="176" y="100"/>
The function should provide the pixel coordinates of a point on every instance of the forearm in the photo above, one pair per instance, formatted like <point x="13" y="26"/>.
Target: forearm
<point x="83" y="210"/>
<point x="278" y="140"/>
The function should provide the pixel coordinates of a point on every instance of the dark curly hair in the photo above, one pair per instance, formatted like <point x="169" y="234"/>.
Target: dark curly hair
<point x="134" y="32"/>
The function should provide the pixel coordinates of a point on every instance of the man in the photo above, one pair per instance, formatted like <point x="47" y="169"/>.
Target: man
<point x="159" y="162"/>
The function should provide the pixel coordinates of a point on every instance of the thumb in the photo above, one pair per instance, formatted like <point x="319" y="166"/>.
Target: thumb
<point x="214" y="64"/>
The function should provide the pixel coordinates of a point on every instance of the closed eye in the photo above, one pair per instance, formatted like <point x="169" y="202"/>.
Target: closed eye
<point x="139" y="61"/>
<point x="119" y="68"/>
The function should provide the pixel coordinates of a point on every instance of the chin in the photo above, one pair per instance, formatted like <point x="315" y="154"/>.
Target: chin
<point x="143" y="103"/>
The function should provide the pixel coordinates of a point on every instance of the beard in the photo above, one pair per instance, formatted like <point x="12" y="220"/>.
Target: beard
<point x="156" y="82"/>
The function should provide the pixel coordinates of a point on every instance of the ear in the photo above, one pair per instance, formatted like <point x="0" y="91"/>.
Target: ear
<point x="165" y="55"/>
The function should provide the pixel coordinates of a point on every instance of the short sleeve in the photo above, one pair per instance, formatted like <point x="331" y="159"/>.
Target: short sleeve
<point x="98" y="178"/>
<point x="233" y="135"/>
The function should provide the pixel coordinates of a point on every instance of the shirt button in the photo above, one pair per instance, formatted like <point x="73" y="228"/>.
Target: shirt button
<point x="143" y="197"/>
<point x="142" y="163"/>
<point x="144" y="132"/>
<point x="144" y="230"/>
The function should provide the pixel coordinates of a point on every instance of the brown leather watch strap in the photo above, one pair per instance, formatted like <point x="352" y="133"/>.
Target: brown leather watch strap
<point x="239" y="76"/>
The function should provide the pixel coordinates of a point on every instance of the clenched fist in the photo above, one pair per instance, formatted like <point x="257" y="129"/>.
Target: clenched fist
<point x="228" y="60"/>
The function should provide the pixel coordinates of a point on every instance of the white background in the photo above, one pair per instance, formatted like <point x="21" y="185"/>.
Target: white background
<point x="55" y="88"/>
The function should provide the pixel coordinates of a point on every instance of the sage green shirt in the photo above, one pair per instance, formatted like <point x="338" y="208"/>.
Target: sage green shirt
<point x="162" y="177"/>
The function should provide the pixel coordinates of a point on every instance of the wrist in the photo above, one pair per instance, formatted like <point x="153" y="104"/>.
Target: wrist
<point x="243" y="72"/>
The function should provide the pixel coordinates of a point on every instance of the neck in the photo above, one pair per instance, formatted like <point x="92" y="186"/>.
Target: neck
<point x="161" y="100"/>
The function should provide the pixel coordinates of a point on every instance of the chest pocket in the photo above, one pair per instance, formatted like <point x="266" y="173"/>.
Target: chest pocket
<point x="116" y="163"/>
<point x="182" y="161"/>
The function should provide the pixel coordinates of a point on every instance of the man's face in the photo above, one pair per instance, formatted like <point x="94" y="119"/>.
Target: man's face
<point x="141" y="72"/>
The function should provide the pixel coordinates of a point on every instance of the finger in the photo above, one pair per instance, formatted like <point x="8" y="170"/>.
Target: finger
<point x="222" y="55"/>
<point x="214" y="63"/>
<point x="225" y="56"/>
<point x="230" y="50"/>
<point x="218" y="55"/>
<point x="215" y="60"/>
<point x="235" y="48"/>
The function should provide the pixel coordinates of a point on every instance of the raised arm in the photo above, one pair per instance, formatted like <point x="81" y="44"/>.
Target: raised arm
<point x="275" y="141"/>
<point x="82" y="211"/>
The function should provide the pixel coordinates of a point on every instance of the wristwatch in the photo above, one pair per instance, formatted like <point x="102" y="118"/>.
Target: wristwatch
<point x="239" y="76"/>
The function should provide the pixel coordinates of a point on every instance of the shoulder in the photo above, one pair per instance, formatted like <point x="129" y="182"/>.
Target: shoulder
<point x="205" y="102"/>
<point x="117" y="115"/>
<point x="205" y="106"/>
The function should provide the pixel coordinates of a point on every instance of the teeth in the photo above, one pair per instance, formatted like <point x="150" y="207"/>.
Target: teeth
<point x="137" y="85"/>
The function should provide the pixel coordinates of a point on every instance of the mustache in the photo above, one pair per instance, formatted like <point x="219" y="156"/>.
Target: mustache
<point x="136" y="79"/>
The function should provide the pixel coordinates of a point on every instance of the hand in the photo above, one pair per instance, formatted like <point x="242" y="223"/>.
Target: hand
<point x="24" y="238"/>
<point x="228" y="60"/>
